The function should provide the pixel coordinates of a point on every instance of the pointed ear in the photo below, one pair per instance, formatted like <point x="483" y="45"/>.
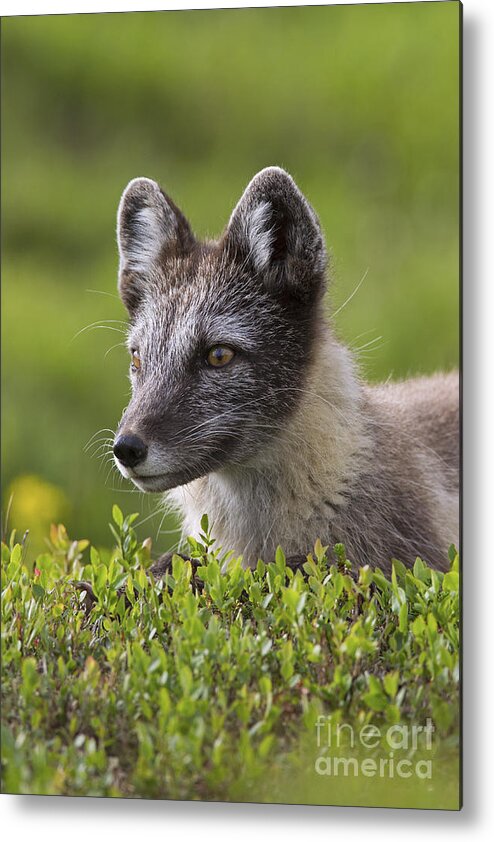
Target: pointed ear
<point x="149" y="226"/>
<point x="275" y="230"/>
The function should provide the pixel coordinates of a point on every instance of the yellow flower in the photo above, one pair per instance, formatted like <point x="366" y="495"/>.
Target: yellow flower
<point x="35" y="504"/>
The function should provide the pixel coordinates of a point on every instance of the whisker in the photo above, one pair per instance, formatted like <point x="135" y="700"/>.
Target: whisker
<point x="101" y="440"/>
<point x="97" y="433"/>
<point x="117" y="345"/>
<point x="368" y="344"/>
<point x="103" y="324"/>
<point x="158" y="531"/>
<point x="103" y="292"/>
<point x="102" y="450"/>
<point x="342" y="306"/>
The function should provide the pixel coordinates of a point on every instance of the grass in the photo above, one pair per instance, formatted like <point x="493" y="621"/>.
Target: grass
<point x="230" y="691"/>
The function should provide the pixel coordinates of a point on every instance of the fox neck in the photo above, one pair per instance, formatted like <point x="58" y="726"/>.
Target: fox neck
<point x="297" y="483"/>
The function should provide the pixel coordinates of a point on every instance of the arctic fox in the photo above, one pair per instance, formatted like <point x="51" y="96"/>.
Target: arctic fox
<point x="246" y="407"/>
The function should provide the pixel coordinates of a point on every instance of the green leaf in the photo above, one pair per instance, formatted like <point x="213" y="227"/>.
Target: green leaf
<point x="374" y="701"/>
<point x="418" y="626"/>
<point x="403" y="618"/>
<point x="38" y="591"/>
<point x="290" y="598"/>
<point x="280" y="558"/>
<point x="451" y="581"/>
<point x="420" y="570"/>
<point x="165" y="702"/>
<point x="30" y="677"/>
<point x="266" y="746"/>
<point x="320" y="551"/>
<point x="390" y="683"/>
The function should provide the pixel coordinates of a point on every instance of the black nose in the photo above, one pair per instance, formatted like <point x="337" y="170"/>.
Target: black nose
<point x="130" y="450"/>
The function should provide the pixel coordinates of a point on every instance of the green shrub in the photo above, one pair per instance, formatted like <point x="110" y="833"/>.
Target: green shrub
<point x="163" y="691"/>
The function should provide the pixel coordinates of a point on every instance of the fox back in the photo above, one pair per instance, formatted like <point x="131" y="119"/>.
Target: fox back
<point x="245" y="406"/>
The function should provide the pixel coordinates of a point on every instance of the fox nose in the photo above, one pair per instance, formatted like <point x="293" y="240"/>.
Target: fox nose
<point x="130" y="450"/>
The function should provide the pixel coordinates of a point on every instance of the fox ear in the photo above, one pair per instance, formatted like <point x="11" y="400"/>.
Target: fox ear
<point x="274" y="228"/>
<point x="149" y="225"/>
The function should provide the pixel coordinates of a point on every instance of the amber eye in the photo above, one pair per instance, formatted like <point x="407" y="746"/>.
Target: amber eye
<point x="135" y="359"/>
<point x="220" y="355"/>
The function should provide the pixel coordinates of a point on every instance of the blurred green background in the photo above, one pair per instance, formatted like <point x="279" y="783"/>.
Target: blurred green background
<point x="359" y="103"/>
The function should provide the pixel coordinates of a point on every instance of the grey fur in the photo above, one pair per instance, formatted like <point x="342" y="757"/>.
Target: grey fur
<point x="285" y="444"/>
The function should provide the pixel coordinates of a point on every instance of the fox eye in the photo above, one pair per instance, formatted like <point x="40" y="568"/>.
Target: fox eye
<point x="135" y="359"/>
<point x="220" y="355"/>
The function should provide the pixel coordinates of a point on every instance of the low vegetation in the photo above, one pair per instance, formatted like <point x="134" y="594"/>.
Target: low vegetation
<point x="224" y="685"/>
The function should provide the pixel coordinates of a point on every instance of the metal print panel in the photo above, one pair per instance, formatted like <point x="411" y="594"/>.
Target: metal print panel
<point x="253" y="215"/>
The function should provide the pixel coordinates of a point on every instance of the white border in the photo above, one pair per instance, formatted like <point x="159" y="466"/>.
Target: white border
<point x="25" y="7"/>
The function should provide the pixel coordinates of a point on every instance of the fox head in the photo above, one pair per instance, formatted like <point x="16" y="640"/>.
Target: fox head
<point x="221" y="333"/>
